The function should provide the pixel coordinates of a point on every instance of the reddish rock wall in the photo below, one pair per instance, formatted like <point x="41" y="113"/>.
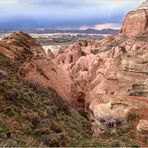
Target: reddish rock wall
<point x="135" y="22"/>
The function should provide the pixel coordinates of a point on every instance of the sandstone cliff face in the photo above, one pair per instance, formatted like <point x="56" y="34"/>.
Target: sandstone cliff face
<point x="111" y="79"/>
<point x="34" y="65"/>
<point x="110" y="76"/>
<point x="120" y="69"/>
<point x="136" y="21"/>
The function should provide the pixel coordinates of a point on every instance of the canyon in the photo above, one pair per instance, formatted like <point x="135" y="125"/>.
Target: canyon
<point x="102" y="82"/>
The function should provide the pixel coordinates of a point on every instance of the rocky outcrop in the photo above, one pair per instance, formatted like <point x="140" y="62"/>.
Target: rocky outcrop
<point x="142" y="129"/>
<point x="116" y="111"/>
<point x="121" y="70"/>
<point x="34" y="65"/>
<point x="50" y="54"/>
<point x="136" y="21"/>
<point x="118" y="106"/>
<point x="111" y="79"/>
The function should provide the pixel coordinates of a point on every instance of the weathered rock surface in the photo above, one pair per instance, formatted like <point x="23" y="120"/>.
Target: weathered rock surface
<point x="117" y="112"/>
<point x="109" y="76"/>
<point x="121" y="70"/>
<point x="34" y="65"/>
<point x="136" y="21"/>
<point x="118" y="106"/>
<point x="142" y="128"/>
<point x="50" y="54"/>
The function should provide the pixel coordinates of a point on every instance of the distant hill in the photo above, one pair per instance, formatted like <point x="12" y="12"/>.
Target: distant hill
<point x="87" y="31"/>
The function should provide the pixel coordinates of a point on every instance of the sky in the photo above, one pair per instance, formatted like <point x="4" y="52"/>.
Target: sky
<point x="64" y="14"/>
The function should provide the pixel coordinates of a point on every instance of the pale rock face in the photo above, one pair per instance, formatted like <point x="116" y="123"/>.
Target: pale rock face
<point x="144" y="5"/>
<point x="142" y="129"/>
<point x="116" y="111"/>
<point x="118" y="106"/>
<point x="136" y="21"/>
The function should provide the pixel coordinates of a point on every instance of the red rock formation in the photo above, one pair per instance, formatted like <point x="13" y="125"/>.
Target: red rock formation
<point x="34" y="65"/>
<point x="109" y="77"/>
<point x="50" y="54"/>
<point x="116" y="67"/>
<point x="142" y="129"/>
<point x="136" y="21"/>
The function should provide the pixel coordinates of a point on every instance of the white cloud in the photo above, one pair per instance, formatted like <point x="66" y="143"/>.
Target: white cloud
<point x="8" y="1"/>
<point x="102" y="26"/>
<point x="66" y="13"/>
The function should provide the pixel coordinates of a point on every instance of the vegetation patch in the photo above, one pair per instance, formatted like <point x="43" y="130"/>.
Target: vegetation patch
<point x="137" y="90"/>
<point x="30" y="116"/>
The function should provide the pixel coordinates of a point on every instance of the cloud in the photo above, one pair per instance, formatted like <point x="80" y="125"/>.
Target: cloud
<point x="111" y="4"/>
<point x="8" y="1"/>
<point x="63" y="13"/>
<point x="102" y="26"/>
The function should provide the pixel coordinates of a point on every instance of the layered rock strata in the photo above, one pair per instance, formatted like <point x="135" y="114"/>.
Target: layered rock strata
<point x="136" y="21"/>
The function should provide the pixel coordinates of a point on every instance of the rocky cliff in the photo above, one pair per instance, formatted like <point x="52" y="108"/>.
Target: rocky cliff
<point x="113" y="69"/>
<point x="136" y="21"/>
<point x="110" y="76"/>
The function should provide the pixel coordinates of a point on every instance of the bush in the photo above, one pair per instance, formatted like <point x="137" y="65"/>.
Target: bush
<point x="110" y="121"/>
<point x="132" y="117"/>
<point x="136" y="90"/>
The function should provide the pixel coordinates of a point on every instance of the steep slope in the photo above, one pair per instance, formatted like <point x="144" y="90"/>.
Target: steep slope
<point x="34" y="65"/>
<point x="31" y="115"/>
